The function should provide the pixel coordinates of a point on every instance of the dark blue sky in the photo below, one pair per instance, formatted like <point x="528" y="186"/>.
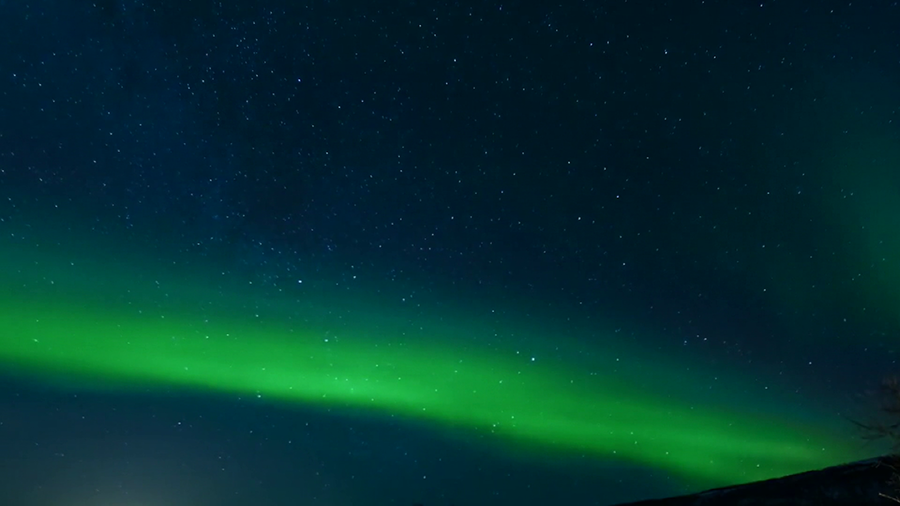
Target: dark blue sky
<point x="723" y="173"/>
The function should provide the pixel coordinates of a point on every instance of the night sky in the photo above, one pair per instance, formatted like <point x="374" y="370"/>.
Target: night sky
<point x="461" y="253"/>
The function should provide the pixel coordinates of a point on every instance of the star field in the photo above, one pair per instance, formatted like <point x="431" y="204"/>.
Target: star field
<point x="443" y="253"/>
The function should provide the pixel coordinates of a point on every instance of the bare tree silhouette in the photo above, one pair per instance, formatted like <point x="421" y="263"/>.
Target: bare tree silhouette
<point x="885" y="426"/>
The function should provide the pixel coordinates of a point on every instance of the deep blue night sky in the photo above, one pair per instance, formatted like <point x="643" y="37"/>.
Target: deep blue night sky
<point x="695" y="205"/>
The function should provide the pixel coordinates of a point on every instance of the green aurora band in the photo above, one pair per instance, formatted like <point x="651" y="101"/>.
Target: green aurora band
<point x="114" y="324"/>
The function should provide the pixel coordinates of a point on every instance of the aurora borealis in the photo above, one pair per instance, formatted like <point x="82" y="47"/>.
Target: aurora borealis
<point x="425" y="375"/>
<point x="401" y="256"/>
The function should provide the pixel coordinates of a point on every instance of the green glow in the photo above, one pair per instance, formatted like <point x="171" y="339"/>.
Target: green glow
<point x="140" y="332"/>
<point x="849" y="173"/>
<point x="871" y="172"/>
